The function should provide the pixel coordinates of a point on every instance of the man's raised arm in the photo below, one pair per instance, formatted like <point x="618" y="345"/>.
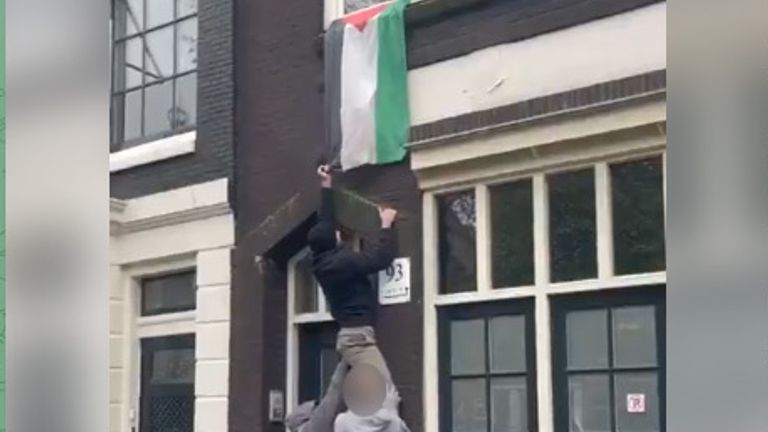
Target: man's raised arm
<point x="379" y="256"/>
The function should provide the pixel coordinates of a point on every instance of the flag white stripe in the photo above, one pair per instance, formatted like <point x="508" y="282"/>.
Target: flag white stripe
<point x="359" y="76"/>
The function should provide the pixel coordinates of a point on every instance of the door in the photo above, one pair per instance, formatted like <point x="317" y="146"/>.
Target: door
<point x="317" y="358"/>
<point x="167" y="398"/>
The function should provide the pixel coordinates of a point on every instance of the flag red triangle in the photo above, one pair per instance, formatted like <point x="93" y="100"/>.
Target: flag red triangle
<point x="360" y="18"/>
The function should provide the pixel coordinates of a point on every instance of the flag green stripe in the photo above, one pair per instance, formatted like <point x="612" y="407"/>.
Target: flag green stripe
<point x="392" y="113"/>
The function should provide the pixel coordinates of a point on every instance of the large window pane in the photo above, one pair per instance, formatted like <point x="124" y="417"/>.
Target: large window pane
<point x="186" y="45"/>
<point x="128" y="65"/>
<point x="168" y="293"/>
<point x="572" y="226"/>
<point x="185" y="7"/>
<point x="634" y="336"/>
<point x="162" y="60"/>
<point x="587" y="339"/>
<point x="158" y="105"/>
<point x="159" y="12"/>
<point x="470" y="412"/>
<point x="509" y="405"/>
<point x="638" y="216"/>
<point x="637" y="402"/>
<point x="589" y="403"/>
<point x="158" y="58"/>
<point x="185" y="111"/>
<point x="457" y="242"/>
<point x="305" y="286"/>
<point x="467" y="347"/>
<point x="507" y="344"/>
<point x="132" y="115"/>
<point x="512" y="234"/>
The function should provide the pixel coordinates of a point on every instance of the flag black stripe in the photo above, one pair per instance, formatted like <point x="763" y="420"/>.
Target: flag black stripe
<point x="334" y="41"/>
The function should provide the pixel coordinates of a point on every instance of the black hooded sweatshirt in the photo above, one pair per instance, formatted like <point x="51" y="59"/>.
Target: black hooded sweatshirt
<point x="343" y="273"/>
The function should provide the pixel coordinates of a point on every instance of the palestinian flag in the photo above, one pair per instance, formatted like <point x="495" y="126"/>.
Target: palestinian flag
<point x="366" y="92"/>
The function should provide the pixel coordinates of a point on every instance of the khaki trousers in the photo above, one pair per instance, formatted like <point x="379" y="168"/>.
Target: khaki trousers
<point x="357" y="345"/>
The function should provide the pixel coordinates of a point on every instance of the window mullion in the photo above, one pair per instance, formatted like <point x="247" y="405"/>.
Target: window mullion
<point x="430" y="331"/>
<point x="175" y="65"/>
<point x="483" y="243"/>
<point x="542" y="322"/>
<point x="144" y="50"/>
<point x="543" y="331"/>
<point x="540" y="231"/>
<point x="604" y="221"/>
<point x="488" y="411"/>
<point x="611" y="377"/>
<point x="664" y="186"/>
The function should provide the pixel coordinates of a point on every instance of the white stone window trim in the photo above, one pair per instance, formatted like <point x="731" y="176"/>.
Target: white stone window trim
<point x="543" y="289"/>
<point x="155" y="151"/>
<point x="149" y="236"/>
<point x="165" y="325"/>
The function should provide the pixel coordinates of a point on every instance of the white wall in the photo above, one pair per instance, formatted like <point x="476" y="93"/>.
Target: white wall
<point x="183" y="228"/>
<point x="615" y="47"/>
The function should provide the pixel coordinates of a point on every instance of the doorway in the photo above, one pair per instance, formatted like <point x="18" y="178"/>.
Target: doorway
<point x="167" y="397"/>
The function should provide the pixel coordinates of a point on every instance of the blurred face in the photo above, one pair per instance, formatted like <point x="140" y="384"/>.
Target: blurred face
<point x="364" y="390"/>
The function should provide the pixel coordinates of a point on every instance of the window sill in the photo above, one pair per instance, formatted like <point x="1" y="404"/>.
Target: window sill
<point x="168" y="318"/>
<point x="154" y="151"/>
<point x="166" y="325"/>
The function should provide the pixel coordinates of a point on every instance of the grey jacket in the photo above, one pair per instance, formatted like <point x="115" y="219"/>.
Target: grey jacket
<point x="309" y="417"/>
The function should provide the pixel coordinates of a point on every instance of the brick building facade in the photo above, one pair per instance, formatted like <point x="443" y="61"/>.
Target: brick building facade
<point x="532" y="205"/>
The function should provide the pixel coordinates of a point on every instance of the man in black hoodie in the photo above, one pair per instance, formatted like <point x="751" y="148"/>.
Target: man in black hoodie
<point x="343" y="275"/>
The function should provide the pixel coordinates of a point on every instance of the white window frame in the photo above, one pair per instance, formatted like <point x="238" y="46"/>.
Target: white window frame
<point x="543" y="290"/>
<point x="176" y="323"/>
<point x="294" y="321"/>
<point x="154" y="151"/>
